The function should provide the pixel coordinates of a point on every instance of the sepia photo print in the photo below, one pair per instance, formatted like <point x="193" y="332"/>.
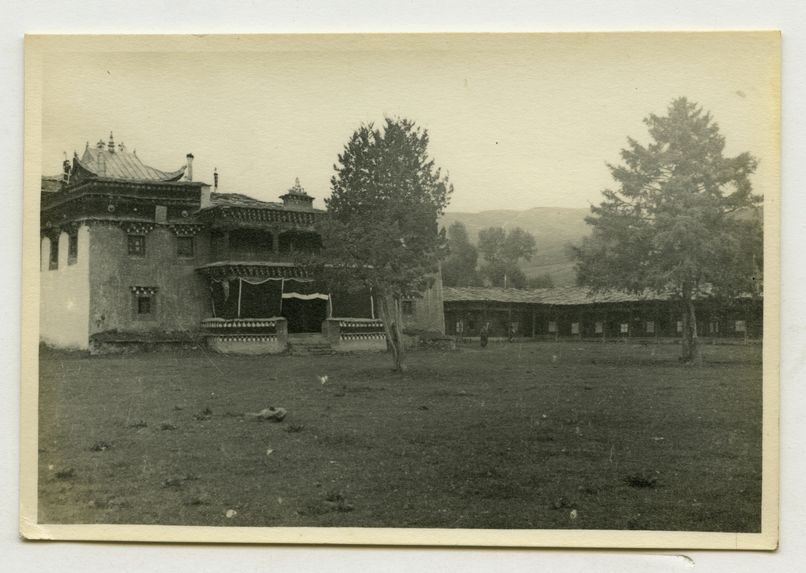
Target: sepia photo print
<point x="460" y="289"/>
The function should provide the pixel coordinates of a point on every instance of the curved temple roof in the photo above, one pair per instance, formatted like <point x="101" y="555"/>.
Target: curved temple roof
<point x="121" y="164"/>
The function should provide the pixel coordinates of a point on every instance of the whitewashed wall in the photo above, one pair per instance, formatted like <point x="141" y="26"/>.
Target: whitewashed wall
<point x="64" y="301"/>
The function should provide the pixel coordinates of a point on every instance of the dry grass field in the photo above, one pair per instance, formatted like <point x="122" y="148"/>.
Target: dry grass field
<point x="523" y="435"/>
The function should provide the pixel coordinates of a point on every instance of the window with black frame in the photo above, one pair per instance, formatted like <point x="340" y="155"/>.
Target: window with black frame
<point x="137" y="246"/>
<point x="184" y="247"/>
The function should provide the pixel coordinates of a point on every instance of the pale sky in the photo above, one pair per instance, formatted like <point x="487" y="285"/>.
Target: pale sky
<point x="517" y="122"/>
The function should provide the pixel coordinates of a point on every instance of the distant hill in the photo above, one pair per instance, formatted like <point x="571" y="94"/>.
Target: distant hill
<point x="552" y="227"/>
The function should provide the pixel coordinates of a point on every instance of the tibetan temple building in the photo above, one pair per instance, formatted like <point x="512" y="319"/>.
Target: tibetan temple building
<point x="131" y="254"/>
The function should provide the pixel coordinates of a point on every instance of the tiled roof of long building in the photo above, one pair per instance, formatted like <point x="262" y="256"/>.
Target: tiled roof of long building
<point x="242" y="201"/>
<point x="557" y="295"/>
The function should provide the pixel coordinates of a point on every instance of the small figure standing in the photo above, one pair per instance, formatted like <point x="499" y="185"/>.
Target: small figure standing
<point x="511" y="332"/>
<point x="485" y="331"/>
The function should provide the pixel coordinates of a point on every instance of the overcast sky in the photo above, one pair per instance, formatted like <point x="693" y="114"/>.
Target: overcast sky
<point x="517" y="122"/>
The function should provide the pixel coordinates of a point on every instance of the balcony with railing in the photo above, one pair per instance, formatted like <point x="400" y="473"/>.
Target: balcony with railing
<point x="250" y="245"/>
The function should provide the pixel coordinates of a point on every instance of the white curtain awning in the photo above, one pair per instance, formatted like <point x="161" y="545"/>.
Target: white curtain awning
<point x="300" y="296"/>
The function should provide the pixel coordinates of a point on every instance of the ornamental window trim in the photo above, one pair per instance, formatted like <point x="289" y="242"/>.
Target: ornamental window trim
<point x="144" y="290"/>
<point x="138" y="228"/>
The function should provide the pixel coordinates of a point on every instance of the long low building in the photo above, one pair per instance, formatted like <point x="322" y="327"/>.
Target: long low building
<point x="575" y="312"/>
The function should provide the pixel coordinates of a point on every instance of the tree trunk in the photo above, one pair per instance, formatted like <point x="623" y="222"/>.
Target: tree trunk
<point x="691" y="352"/>
<point x="392" y="318"/>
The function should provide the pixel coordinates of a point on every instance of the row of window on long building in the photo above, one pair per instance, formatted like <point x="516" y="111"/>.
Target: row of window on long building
<point x="649" y="327"/>
<point x="471" y="325"/>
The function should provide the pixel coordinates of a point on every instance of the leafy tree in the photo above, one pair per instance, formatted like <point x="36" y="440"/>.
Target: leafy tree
<point x="541" y="281"/>
<point x="502" y="251"/>
<point x="459" y="267"/>
<point x="381" y="229"/>
<point x="680" y="222"/>
<point x="504" y="274"/>
<point x="491" y="243"/>
<point x="518" y="245"/>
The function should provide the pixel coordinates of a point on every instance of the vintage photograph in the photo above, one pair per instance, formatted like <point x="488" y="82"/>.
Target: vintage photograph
<point x="490" y="289"/>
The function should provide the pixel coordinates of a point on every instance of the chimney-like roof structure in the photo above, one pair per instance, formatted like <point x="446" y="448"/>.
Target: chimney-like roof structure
<point x="297" y="197"/>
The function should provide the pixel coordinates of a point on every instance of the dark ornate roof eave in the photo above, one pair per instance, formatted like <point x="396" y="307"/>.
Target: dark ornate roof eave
<point x="89" y="187"/>
<point x="253" y="270"/>
<point x="145" y="182"/>
<point x="268" y="207"/>
<point x="230" y="216"/>
<point x="182" y="227"/>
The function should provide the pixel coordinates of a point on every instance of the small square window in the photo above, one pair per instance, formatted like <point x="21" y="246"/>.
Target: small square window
<point x="624" y="328"/>
<point x="184" y="247"/>
<point x="741" y="326"/>
<point x="144" y="305"/>
<point x="144" y="302"/>
<point x="714" y="327"/>
<point x="72" y="249"/>
<point x="679" y="326"/>
<point x="574" y="328"/>
<point x="650" y="327"/>
<point x="408" y="307"/>
<point x="598" y="327"/>
<point x="552" y="326"/>
<point x="137" y="245"/>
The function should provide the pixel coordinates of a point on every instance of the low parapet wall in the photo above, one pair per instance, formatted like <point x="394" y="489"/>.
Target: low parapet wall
<point x="355" y="334"/>
<point x="246" y="344"/>
<point x="246" y="335"/>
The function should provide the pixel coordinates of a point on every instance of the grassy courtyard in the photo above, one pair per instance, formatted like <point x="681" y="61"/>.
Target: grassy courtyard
<point x="532" y="435"/>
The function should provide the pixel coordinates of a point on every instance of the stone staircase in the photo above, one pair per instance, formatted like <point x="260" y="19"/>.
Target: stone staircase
<point x="308" y="344"/>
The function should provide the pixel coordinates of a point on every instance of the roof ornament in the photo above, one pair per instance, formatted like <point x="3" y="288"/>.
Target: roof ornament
<point x="215" y="178"/>
<point x="297" y="189"/>
<point x="121" y="146"/>
<point x="111" y="144"/>
<point x="100" y="144"/>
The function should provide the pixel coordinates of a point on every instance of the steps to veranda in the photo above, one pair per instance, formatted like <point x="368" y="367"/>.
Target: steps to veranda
<point x="308" y="344"/>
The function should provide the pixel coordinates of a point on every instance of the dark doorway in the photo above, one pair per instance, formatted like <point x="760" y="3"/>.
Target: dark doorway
<point x="304" y="315"/>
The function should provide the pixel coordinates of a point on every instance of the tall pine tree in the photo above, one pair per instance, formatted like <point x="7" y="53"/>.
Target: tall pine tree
<point x="381" y="228"/>
<point x="682" y="221"/>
